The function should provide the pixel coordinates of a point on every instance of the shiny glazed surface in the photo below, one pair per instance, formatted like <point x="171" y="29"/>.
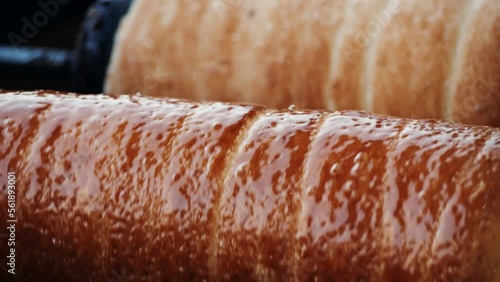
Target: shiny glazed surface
<point x="170" y="190"/>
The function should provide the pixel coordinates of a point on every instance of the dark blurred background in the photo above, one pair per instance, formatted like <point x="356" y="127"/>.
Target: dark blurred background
<point x="60" y="31"/>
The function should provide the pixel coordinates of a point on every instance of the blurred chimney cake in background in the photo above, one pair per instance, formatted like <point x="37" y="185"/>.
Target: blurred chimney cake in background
<point x="412" y="58"/>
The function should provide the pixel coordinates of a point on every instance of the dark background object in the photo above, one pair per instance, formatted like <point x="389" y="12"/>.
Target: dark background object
<point x="59" y="32"/>
<point x="95" y="44"/>
<point x="59" y="28"/>
<point x="57" y="44"/>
